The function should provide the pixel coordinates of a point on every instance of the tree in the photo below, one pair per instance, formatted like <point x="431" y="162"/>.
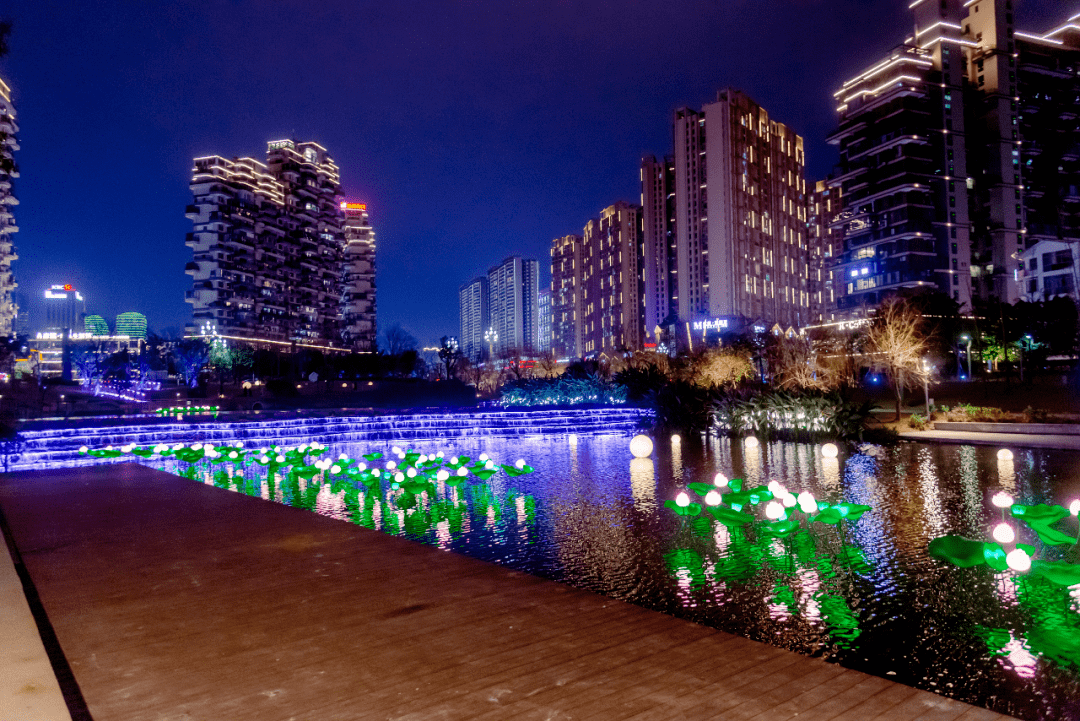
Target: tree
<point x="718" y="368"/>
<point x="896" y="343"/>
<point x="448" y="354"/>
<point x="398" y="340"/>
<point x="191" y="355"/>
<point x="90" y="361"/>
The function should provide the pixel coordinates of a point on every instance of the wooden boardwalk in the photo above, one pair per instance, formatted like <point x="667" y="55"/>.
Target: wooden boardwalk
<point x="174" y="601"/>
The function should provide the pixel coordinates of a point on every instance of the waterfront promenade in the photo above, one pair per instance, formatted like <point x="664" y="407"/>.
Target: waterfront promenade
<point x="177" y="601"/>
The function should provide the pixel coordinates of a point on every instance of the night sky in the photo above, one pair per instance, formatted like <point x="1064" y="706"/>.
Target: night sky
<point x="474" y="129"/>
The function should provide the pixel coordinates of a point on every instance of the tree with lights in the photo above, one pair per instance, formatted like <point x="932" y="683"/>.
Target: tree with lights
<point x="896" y="343"/>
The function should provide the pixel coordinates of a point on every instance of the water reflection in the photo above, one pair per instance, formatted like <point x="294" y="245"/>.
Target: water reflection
<point x="643" y="484"/>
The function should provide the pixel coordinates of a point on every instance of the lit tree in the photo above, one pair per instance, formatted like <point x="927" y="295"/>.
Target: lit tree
<point x="191" y="354"/>
<point x="90" y="361"/>
<point x="896" y="343"/>
<point x="449" y="354"/>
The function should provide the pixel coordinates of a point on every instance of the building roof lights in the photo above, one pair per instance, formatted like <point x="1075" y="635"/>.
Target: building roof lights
<point x="1063" y="28"/>
<point x="881" y="67"/>
<point x="951" y="26"/>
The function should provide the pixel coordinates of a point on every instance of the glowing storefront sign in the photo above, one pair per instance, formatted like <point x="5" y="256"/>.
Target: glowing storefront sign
<point x="275" y="144"/>
<point x="711" y="324"/>
<point x="353" y="206"/>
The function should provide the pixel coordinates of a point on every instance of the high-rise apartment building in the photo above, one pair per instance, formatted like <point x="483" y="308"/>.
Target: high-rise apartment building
<point x="826" y="244"/>
<point x="358" y="281"/>
<point x="8" y="171"/>
<point x="658" y="243"/>
<point x="269" y="249"/>
<point x="513" y="286"/>
<point x="566" y="293"/>
<point x="543" y="307"/>
<point x="613" y="291"/>
<point x="936" y="145"/>
<point x="739" y="216"/>
<point x="474" y="316"/>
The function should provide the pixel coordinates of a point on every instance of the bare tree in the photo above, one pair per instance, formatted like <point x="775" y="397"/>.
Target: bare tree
<point x="191" y="354"/>
<point x="896" y="343"/>
<point x="716" y="367"/>
<point x="398" y="340"/>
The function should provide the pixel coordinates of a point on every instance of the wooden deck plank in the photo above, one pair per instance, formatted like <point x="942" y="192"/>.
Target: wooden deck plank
<point x="176" y="600"/>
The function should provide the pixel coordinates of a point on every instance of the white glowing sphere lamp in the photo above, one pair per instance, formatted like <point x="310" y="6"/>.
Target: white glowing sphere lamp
<point x="1003" y="533"/>
<point x="675" y="438"/>
<point x="1002" y="500"/>
<point x="682" y="500"/>
<point x="751" y="442"/>
<point x="774" y="510"/>
<point x="789" y="500"/>
<point x="721" y="481"/>
<point x="829" y="450"/>
<point x="1018" y="560"/>
<point x="1005" y="454"/>
<point x="1074" y="507"/>
<point x="641" y="446"/>
<point x="712" y="498"/>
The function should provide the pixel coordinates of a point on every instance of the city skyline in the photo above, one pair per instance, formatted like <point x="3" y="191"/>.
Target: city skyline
<point x="471" y="134"/>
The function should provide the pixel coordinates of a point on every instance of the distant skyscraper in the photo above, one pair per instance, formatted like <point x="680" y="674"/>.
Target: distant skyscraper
<point x="8" y="171"/>
<point x="96" y="325"/>
<point x="513" y="289"/>
<point x="269" y="247"/>
<point x="658" y="263"/>
<point x="65" y="309"/>
<point x="740" y="215"/>
<point x="131" y="324"/>
<point x="358" y="291"/>
<point x="826" y="244"/>
<point x="614" y="292"/>
<point x="566" y="291"/>
<point x="544" y="321"/>
<point x="474" y="315"/>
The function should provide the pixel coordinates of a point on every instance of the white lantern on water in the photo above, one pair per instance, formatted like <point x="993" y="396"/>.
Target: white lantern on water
<point x="807" y="502"/>
<point x="1003" y="533"/>
<point x="721" y="481"/>
<point x="751" y="442"/>
<point x="682" y="500"/>
<point x="1002" y="500"/>
<point x="789" y="500"/>
<point x="1005" y="454"/>
<point x="774" y="510"/>
<point x="1074" y="507"/>
<point x="829" y="450"/>
<point x="712" y="498"/>
<point x="675" y="438"/>
<point x="1018" y="560"/>
<point x="641" y="446"/>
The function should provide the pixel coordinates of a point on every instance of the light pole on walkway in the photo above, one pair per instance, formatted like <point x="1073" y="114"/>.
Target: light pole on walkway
<point x="967" y="339"/>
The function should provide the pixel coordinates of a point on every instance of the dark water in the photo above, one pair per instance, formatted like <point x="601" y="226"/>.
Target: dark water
<point x="865" y="595"/>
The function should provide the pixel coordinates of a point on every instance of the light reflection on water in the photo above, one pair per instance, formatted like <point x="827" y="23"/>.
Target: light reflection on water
<point x="592" y="516"/>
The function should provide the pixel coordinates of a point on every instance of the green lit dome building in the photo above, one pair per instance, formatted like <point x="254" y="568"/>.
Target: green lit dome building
<point x="133" y="325"/>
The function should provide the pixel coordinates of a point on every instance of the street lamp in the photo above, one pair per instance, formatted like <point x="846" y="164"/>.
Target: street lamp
<point x="926" y="385"/>
<point x="1026" y="343"/>
<point x="492" y="337"/>
<point x="967" y="339"/>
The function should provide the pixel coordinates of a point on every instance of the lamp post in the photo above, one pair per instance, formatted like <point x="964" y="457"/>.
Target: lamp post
<point x="492" y="337"/>
<point x="1026" y="343"/>
<point x="967" y="339"/>
<point x="926" y="385"/>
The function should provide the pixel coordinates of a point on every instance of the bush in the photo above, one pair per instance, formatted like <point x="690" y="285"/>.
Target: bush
<point x="562" y="391"/>
<point x="1035" y="415"/>
<point x="795" y="416"/>
<point x="966" y="413"/>
<point x="917" y="423"/>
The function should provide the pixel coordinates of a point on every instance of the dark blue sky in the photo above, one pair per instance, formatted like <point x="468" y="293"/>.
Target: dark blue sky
<point x="474" y="129"/>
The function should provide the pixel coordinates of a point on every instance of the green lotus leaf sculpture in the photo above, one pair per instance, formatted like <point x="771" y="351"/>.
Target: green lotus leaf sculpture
<point x="966" y="553"/>
<point x="691" y="510"/>
<point x="702" y="489"/>
<point x="730" y="517"/>
<point x="778" y="529"/>
<point x="1057" y="572"/>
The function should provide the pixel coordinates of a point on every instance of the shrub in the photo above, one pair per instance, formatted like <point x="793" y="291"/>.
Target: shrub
<point x="974" y="414"/>
<point x="562" y="391"/>
<point x="917" y="423"/>
<point x="790" y="415"/>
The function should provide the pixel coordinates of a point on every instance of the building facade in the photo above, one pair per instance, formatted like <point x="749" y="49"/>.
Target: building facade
<point x="513" y="287"/>
<point x="474" y="316"/>
<point x="958" y="151"/>
<point x="358" y="279"/>
<point x="269" y="248"/>
<point x="1049" y="269"/>
<point x="65" y="309"/>
<point x="658" y="244"/>
<point x="8" y="172"/>
<point x="826" y="244"/>
<point x="739" y="215"/>
<point x="544" y="320"/>
<point x="613" y="292"/>
<point x="131" y="324"/>
<point x="566" y="292"/>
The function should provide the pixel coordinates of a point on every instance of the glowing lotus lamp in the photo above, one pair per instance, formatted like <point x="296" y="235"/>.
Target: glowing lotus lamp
<point x="774" y="510"/>
<point x="1005" y="454"/>
<point x="807" y="502"/>
<point x="675" y="438"/>
<point x="829" y="450"/>
<point x="721" y="481"/>
<point x="442" y="475"/>
<point x="712" y="498"/>
<point x="1018" y="560"/>
<point x="682" y="500"/>
<point x="1002" y="500"/>
<point x="789" y="500"/>
<point x="751" y="442"/>
<point x="1074" y="507"/>
<point x="1003" y="533"/>
<point x="641" y="446"/>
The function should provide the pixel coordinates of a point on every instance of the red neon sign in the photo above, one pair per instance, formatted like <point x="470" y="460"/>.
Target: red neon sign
<point x="68" y="286"/>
